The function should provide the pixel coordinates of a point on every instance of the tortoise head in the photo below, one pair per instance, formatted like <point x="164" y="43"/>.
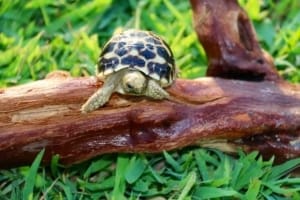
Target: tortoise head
<point x="134" y="82"/>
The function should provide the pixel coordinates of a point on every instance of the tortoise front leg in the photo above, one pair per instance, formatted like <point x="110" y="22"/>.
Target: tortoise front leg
<point x="155" y="91"/>
<point x="101" y="96"/>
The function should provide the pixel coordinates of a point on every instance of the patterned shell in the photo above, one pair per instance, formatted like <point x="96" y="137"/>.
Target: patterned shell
<point x="138" y="50"/>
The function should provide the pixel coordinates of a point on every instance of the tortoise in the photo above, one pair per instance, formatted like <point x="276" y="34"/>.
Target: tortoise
<point x="133" y="62"/>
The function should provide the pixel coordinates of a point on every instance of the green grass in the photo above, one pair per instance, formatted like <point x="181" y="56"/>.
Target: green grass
<point x="191" y="173"/>
<point x="37" y="37"/>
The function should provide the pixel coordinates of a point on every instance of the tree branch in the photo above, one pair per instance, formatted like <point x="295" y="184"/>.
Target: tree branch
<point x="230" y="43"/>
<point x="45" y="114"/>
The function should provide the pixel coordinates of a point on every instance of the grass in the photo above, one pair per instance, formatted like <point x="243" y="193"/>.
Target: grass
<point x="37" y="37"/>
<point x="192" y="173"/>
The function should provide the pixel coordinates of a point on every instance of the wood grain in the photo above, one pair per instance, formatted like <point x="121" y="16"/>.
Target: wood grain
<point x="45" y="114"/>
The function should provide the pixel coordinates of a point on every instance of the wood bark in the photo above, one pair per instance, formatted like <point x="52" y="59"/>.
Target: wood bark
<point x="257" y="112"/>
<point x="45" y="114"/>
<point x="230" y="43"/>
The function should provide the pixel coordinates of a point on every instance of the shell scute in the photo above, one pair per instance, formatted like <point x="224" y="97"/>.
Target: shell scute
<point x="147" y="54"/>
<point x="132" y="61"/>
<point x="121" y="51"/>
<point x="110" y="63"/>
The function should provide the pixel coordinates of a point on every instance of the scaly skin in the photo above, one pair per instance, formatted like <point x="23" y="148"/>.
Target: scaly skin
<point x="155" y="91"/>
<point x="101" y="96"/>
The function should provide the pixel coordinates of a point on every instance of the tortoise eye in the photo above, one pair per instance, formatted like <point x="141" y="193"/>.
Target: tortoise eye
<point x="128" y="85"/>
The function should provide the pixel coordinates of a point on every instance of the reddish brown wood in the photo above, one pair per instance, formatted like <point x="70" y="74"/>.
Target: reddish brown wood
<point x="230" y="43"/>
<point x="45" y="114"/>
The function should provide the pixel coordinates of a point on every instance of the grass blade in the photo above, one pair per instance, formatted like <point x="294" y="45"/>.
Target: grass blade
<point x="283" y="169"/>
<point x="30" y="178"/>
<point x="172" y="162"/>
<point x="191" y="180"/>
<point x="119" y="187"/>
<point x="135" y="169"/>
<point x="54" y="165"/>
<point x="96" y="166"/>
<point x="253" y="190"/>
<point x="212" y="192"/>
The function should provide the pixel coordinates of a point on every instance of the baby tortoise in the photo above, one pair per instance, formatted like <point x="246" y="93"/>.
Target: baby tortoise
<point x="133" y="62"/>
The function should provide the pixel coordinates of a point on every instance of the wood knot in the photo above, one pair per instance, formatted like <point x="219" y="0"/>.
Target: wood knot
<point x="58" y="74"/>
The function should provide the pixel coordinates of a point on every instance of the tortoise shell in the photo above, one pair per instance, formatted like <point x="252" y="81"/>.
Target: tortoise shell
<point x="138" y="50"/>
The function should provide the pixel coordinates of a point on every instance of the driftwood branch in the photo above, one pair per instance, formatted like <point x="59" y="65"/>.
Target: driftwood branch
<point x="230" y="43"/>
<point x="45" y="114"/>
<point x="216" y="112"/>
